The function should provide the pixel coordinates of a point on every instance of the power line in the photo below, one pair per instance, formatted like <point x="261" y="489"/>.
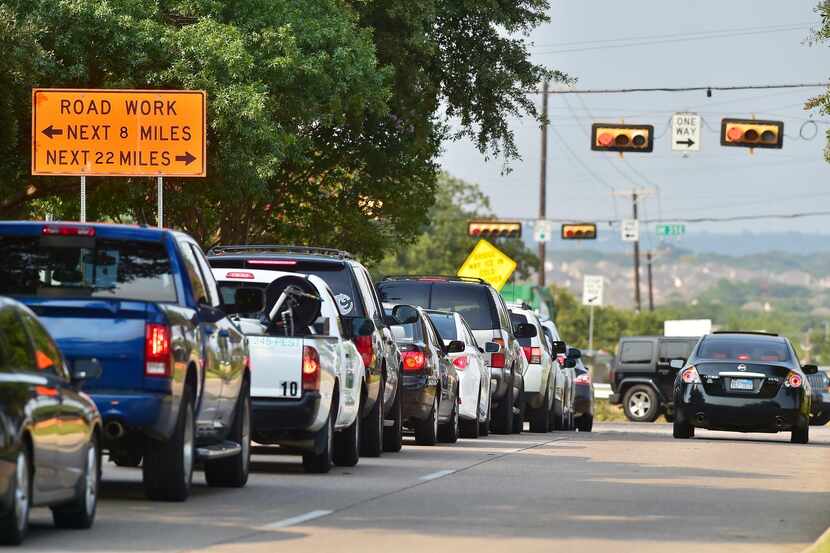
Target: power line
<point x="614" y="220"/>
<point x="683" y="88"/>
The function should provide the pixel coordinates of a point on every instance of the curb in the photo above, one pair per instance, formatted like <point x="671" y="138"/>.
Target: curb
<point x="822" y="544"/>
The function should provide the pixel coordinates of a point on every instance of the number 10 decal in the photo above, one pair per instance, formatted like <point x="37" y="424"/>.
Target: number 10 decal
<point x="291" y="387"/>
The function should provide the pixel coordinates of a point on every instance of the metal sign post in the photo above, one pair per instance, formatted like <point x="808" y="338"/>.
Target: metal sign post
<point x="83" y="199"/>
<point x="160" y="193"/>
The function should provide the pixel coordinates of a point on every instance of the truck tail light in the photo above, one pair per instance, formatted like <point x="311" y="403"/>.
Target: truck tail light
<point x="584" y="378"/>
<point x="366" y="350"/>
<point x="533" y="354"/>
<point x="794" y="380"/>
<point x="497" y="360"/>
<point x="461" y="362"/>
<point x="157" y="350"/>
<point x="311" y="369"/>
<point x="690" y="376"/>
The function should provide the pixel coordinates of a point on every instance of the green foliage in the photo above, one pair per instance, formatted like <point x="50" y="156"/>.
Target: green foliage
<point x="822" y="35"/>
<point x="443" y="244"/>
<point x="325" y="117"/>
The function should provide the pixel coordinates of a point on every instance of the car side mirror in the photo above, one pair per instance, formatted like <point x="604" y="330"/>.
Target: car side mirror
<point x="525" y="330"/>
<point x="677" y="363"/>
<point x="362" y="326"/>
<point x="248" y="300"/>
<point x="560" y="347"/>
<point x="405" y="314"/>
<point x="456" y="346"/>
<point x="809" y="369"/>
<point x="86" y="369"/>
<point x="492" y="347"/>
<point x="574" y="353"/>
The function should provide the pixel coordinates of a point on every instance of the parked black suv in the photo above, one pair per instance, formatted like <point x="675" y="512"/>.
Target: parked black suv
<point x="488" y="317"/>
<point x="357" y="300"/>
<point x="642" y="377"/>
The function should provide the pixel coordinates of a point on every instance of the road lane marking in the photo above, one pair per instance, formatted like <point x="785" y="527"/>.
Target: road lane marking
<point x="293" y="521"/>
<point x="437" y="474"/>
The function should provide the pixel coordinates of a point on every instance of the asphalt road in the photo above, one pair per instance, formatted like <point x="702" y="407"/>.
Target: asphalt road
<point x="624" y="487"/>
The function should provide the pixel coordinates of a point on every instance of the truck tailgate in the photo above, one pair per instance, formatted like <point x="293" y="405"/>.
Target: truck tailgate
<point x="276" y="366"/>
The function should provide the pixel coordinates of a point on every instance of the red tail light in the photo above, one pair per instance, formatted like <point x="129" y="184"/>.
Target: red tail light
<point x="583" y="379"/>
<point x="311" y="369"/>
<point x="690" y="376"/>
<point x="59" y="230"/>
<point x="461" y="362"/>
<point x="366" y="349"/>
<point x="793" y="380"/>
<point x="533" y="354"/>
<point x="497" y="360"/>
<point x="413" y="359"/>
<point x="281" y="262"/>
<point x="157" y="350"/>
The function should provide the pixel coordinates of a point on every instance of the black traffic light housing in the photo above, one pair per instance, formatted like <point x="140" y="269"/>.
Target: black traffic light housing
<point x="494" y="229"/>
<point x="610" y="137"/>
<point x="751" y="133"/>
<point x="579" y="231"/>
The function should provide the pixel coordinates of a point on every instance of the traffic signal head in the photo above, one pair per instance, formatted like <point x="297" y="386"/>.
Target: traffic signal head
<point x="494" y="229"/>
<point x="751" y="133"/>
<point x="606" y="137"/>
<point x="579" y="231"/>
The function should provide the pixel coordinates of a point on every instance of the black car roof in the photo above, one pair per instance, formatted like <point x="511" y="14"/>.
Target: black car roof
<point x="279" y="251"/>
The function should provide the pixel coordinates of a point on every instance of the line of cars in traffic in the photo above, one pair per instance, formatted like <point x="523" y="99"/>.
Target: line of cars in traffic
<point x="130" y="341"/>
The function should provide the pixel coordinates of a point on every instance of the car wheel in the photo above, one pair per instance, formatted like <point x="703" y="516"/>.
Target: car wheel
<point x="540" y="417"/>
<point x="519" y="418"/>
<point x="426" y="431"/>
<point x="347" y="444"/>
<point x="640" y="404"/>
<point x="484" y="426"/>
<point x="585" y="423"/>
<point x="681" y="429"/>
<point x="321" y="462"/>
<point x="168" y="464"/>
<point x="503" y="423"/>
<point x="801" y="432"/>
<point x="80" y="513"/>
<point x="393" y="435"/>
<point x="448" y="433"/>
<point x="15" y="525"/>
<point x="470" y="428"/>
<point x="371" y="437"/>
<point x="232" y="472"/>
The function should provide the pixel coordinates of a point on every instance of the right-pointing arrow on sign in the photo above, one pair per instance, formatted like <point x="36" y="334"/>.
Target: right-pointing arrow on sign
<point x="188" y="158"/>
<point x="688" y="142"/>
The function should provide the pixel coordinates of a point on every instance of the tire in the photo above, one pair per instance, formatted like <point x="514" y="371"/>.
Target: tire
<point x="571" y="426"/>
<point x="322" y="461"/>
<point x="469" y="429"/>
<point x="426" y="431"/>
<point x="503" y="423"/>
<point x="801" y="433"/>
<point x="519" y="419"/>
<point x="640" y="404"/>
<point x="15" y="525"/>
<point x="80" y="513"/>
<point x="682" y="430"/>
<point x="232" y="472"/>
<point x="347" y="444"/>
<point x="448" y="433"/>
<point x="585" y="423"/>
<point x="540" y="417"/>
<point x="371" y="435"/>
<point x="393" y="435"/>
<point x="484" y="427"/>
<point x="557" y="420"/>
<point x="168" y="464"/>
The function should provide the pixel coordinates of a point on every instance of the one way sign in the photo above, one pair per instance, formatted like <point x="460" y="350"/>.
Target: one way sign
<point x="685" y="132"/>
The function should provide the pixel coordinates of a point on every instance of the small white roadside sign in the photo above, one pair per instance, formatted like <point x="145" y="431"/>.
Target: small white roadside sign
<point x="542" y="230"/>
<point x="630" y="230"/>
<point x="592" y="289"/>
<point x="685" y="132"/>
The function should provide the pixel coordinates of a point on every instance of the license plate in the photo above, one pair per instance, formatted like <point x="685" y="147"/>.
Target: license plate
<point x="741" y="384"/>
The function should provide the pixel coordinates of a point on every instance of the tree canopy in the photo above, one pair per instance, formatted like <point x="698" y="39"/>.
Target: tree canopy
<point x="325" y="117"/>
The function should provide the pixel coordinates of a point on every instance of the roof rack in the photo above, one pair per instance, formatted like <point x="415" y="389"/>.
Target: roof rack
<point x="279" y="248"/>
<point x="750" y="332"/>
<point x="450" y="278"/>
<point x="520" y="305"/>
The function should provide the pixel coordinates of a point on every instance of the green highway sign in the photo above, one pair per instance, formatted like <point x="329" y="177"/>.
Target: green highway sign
<point x="671" y="230"/>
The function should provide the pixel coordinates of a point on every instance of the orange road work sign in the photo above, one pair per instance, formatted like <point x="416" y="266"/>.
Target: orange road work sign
<point x="125" y="133"/>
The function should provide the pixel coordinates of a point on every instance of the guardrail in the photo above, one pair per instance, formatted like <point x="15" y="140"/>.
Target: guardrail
<point x="602" y="391"/>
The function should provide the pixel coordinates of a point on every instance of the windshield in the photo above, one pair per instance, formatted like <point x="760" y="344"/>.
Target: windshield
<point x="445" y="324"/>
<point x="70" y="267"/>
<point x="744" y="349"/>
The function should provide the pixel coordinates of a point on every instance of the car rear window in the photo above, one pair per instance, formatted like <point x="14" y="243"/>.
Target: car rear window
<point x="405" y="292"/>
<point x="413" y="332"/>
<point x="83" y="267"/>
<point x="636" y="352"/>
<point x="445" y="325"/>
<point x="474" y="302"/>
<point x="744" y="349"/>
<point x="517" y="319"/>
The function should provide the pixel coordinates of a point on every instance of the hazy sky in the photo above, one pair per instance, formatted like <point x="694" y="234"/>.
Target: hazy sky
<point x="716" y="181"/>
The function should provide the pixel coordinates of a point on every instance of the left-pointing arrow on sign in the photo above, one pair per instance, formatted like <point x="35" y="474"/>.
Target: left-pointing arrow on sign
<point x="50" y="131"/>
<point x="188" y="158"/>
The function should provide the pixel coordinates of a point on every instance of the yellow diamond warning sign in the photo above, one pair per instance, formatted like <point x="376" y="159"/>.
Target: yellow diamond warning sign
<point x="155" y="133"/>
<point x="488" y="263"/>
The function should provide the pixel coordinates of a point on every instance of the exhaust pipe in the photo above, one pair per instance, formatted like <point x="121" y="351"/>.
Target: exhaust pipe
<point x="114" y="430"/>
<point x="700" y="417"/>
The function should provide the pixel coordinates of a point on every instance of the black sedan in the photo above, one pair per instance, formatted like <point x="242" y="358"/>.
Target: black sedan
<point x="583" y="391"/>
<point x="49" y="431"/>
<point x="429" y="381"/>
<point x="743" y="382"/>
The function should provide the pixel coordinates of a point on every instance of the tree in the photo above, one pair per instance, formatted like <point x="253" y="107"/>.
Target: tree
<point x="822" y="35"/>
<point x="443" y="244"/>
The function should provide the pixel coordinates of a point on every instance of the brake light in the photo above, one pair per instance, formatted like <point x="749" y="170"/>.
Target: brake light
<point x="157" y="350"/>
<point x="690" y="376"/>
<point x="461" y="362"/>
<point x="239" y="274"/>
<point x="744" y="357"/>
<point x="311" y="369"/>
<point x="366" y="349"/>
<point x="584" y="378"/>
<point x="60" y="230"/>
<point x="497" y="360"/>
<point x="793" y="380"/>
<point x="533" y="354"/>
<point x="413" y="360"/>
<point x="271" y="262"/>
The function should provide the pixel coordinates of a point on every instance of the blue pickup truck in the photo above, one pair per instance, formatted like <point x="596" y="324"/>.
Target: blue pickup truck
<point x="175" y="385"/>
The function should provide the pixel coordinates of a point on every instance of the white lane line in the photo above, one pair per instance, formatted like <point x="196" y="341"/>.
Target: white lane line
<point x="434" y="475"/>
<point x="293" y="521"/>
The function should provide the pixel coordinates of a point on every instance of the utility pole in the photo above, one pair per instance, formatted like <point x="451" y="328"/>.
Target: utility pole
<point x="649" y="260"/>
<point x="637" y="301"/>
<point x="543" y="177"/>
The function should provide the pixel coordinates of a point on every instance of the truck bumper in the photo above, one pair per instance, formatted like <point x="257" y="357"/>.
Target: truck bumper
<point x="284" y="417"/>
<point x="153" y="414"/>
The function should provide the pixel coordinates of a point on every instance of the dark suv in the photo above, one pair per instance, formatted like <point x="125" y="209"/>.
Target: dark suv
<point x="488" y="317"/>
<point x="357" y="300"/>
<point x="642" y="377"/>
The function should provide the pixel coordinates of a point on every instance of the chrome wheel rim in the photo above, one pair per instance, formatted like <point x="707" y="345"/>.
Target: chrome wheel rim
<point x="91" y="491"/>
<point x="639" y="404"/>
<point x="21" y="493"/>
<point x="187" y="454"/>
